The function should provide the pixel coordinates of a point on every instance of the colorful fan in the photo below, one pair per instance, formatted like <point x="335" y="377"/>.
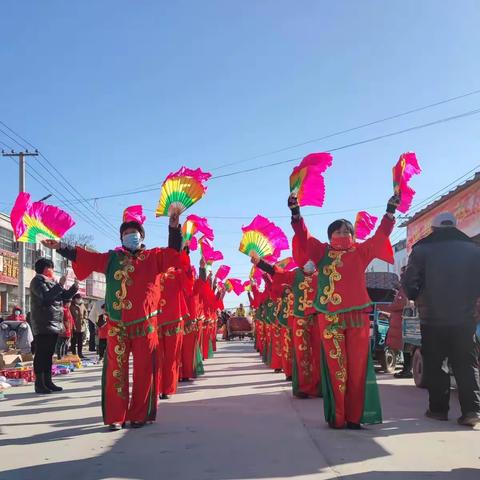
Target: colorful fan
<point x="34" y="221"/>
<point x="193" y="225"/>
<point x="222" y="272"/>
<point x="403" y="171"/>
<point x="307" y="179"/>
<point x="192" y="244"/>
<point x="256" y="275"/>
<point x="235" y="285"/>
<point x="263" y="237"/>
<point x="208" y="253"/>
<point x="247" y="287"/>
<point x="364" y="224"/>
<point x="287" y="264"/>
<point x="181" y="190"/>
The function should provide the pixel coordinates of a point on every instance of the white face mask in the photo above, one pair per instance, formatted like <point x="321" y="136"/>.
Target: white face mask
<point x="309" y="268"/>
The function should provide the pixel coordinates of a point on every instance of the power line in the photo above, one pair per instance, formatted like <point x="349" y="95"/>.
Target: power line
<point x="41" y="180"/>
<point x="361" y="142"/>
<point x="352" y="129"/>
<point x="71" y="191"/>
<point x="343" y="147"/>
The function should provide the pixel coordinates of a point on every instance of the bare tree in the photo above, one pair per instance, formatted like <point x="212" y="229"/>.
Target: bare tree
<point x="82" y="239"/>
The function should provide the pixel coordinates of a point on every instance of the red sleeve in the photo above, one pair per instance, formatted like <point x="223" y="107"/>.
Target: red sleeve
<point x="166" y="258"/>
<point x="304" y="246"/>
<point x="284" y="278"/>
<point x="379" y="245"/>
<point x="87" y="262"/>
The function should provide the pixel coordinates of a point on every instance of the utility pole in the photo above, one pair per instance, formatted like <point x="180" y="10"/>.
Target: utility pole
<point x="21" y="246"/>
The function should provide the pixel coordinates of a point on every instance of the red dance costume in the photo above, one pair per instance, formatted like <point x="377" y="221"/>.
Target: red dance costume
<point x="176" y="285"/>
<point x="132" y="300"/>
<point x="343" y="303"/>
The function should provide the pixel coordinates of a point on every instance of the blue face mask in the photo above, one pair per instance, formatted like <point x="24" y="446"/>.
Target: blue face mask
<point x="132" y="241"/>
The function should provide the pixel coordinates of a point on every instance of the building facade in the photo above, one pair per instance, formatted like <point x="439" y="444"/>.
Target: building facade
<point x="93" y="289"/>
<point x="463" y="202"/>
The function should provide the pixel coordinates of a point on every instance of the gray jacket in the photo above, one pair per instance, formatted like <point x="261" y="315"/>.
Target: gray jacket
<point x="47" y="304"/>
<point x="443" y="278"/>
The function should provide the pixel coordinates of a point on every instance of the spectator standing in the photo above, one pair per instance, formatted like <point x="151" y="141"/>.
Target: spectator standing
<point x="442" y="277"/>
<point x="395" y="329"/>
<point x="47" y="297"/>
<point x="102" y="333"/>
<point x="80" y="316"/>
<point x="65" y="336"/>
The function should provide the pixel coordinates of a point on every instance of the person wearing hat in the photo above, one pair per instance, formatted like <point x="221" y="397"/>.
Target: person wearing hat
<point x="132" y="299"/>
<point x="442" y="278"/>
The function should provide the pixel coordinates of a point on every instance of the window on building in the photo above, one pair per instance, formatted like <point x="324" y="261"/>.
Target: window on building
<point x="6" y="240"/>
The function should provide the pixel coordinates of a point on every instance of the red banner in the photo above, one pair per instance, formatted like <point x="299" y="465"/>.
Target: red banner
<point x="465" y="206"/>
<point x="8" y="267"/>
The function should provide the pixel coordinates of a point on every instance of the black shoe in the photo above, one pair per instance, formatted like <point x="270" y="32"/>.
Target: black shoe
<point x="164" y="396"/>
<point x="354" y="426"/>
<point x="437" y="415"/>
<point x="50" y="385"/>
<point x="137" y="424"/>
<point x="469" y="419"/>
<point x="278" y="370"/>
<point x="40" y="386"/>
<point x="288" y="379"/>
<point x="403" y="374"/>
<point x="300" y="395"/>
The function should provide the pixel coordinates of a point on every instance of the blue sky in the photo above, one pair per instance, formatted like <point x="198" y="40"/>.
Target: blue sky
<point x="117" y="94"/>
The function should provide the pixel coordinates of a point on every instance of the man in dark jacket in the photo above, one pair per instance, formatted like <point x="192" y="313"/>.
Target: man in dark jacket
<point x="47" y="321"/>
<point x="442" y="277"/>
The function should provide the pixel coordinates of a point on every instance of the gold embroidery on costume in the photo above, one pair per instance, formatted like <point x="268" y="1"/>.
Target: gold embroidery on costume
<point x="333" y="276"/>
<point x="287" y="347"/>
<point x="277" y="340"/>
<point x="120" y="350"/>
<point x="332" y="332"/>
<point x="305" y="301"/>
<point x="288" y="310"/>
<point x="303" y="333"/>
<point x="125" y="281"/>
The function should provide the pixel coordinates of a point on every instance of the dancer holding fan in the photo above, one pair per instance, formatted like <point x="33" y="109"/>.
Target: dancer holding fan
<point x="348" y="381"/>
<point x="132" y="300"/>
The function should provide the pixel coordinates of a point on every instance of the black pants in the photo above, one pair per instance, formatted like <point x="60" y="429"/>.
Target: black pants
<point x="407" y="362"/>
<point x="61" y="347"/>
<point x="91" y="340"/>
<point x="44" y="350"/>
<point x="461" y="347"/>
<point x="77" y="343"/>
<point x="102" y="346"/>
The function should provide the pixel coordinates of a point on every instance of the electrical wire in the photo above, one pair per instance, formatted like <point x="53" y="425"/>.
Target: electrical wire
<point x="71" y="191"/>
<point x="352" y="129"/>
<point x="283" y="162"/>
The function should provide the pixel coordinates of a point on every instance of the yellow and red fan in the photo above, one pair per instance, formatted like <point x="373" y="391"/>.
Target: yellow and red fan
<point x="264" y="238"/>
<point x="181" y="190"/>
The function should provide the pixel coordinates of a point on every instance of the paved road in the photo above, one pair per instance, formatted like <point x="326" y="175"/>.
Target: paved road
<point x="237" y="422"/>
